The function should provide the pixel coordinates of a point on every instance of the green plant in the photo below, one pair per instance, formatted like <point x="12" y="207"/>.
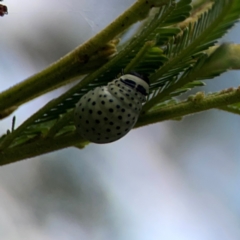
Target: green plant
<point x="176" y="45"/>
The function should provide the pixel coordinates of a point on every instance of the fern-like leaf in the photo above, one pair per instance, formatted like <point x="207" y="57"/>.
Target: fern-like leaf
<point x="195" y="38"/>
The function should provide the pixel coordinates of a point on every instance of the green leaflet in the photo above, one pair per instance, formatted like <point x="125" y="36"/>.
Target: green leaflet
<point x="197" y="37"/>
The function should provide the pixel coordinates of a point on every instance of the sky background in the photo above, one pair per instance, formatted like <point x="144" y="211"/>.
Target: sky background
<point x="176" y="180"/>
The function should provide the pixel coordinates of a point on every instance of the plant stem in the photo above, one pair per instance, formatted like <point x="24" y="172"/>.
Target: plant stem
<point x="194" y="104"/>
<point x="37" y="148"/>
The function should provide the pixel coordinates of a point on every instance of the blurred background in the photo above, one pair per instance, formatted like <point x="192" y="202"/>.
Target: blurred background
<point x="168" y="181"/>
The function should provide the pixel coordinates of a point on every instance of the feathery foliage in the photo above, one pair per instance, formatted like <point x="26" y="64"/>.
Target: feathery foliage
<point x="175" y="46"/>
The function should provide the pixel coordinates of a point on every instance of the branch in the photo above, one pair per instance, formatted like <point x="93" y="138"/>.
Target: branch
<point x="39" y="147"/>
<point x="194" y="104"/>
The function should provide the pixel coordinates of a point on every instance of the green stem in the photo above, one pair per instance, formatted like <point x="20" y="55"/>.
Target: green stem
<point x="197" y="103"/>
<point x="194" y="104"/>
<point x="37" y="148"/>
